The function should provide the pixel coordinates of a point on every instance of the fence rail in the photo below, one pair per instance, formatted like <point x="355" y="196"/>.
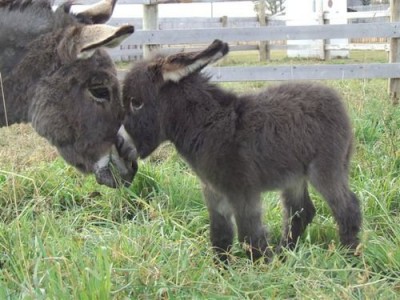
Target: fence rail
<point x="151" y="2"/>
<point x="270" y="33"/>
<point x="304" y="72"/>
<point x="193" y="36"/>
<point x="300" y="72"/>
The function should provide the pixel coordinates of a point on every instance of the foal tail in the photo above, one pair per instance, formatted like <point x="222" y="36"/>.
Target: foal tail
<point x="348" y="154"/>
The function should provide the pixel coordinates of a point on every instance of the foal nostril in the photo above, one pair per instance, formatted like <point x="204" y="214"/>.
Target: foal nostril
<point x="119" y="142"/>
<point x="81" y="167"/>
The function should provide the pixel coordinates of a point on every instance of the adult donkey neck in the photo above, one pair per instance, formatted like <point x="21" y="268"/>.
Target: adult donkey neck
<point x="18" y="87"/>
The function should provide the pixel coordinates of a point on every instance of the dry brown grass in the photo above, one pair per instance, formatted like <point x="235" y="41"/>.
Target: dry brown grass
<point x="21" y="147"/>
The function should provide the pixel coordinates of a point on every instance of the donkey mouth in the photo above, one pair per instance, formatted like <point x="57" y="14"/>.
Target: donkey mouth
<point x="108" y="177"/>
<point x="115" y="171"/>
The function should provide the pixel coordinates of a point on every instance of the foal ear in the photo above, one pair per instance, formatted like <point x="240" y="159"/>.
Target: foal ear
<point x="177" y="66"/>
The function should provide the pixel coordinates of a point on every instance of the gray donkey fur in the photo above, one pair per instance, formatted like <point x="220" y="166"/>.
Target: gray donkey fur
<point x="240" y="146"/>
<point x="55" y="76"/>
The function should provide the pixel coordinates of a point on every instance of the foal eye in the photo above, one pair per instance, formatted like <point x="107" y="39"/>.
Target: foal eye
<point x="100" y="94"/>
<point x="135" y="105"/>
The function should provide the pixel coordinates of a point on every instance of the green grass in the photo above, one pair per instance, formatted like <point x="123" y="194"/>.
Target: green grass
<point x="62" y="236"/>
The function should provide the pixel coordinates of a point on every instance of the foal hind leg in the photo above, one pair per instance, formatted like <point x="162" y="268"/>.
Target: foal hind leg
<point x="221" y="225"/>
<point x="298" y="212"/>
<point x="331" y="180"/>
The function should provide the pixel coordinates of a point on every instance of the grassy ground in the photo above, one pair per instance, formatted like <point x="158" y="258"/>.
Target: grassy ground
<point x="62" y="236"/>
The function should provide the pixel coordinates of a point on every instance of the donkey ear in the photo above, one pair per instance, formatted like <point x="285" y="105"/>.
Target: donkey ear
<point x="92" y="37"/>
<point x="82" y="41"/>
<point x="97" y="13"/>
<point x="177" y="66"/>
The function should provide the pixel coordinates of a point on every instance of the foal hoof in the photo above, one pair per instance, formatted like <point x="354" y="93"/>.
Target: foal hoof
<point x="256" y="255"/>
<point x="354" y="250"/>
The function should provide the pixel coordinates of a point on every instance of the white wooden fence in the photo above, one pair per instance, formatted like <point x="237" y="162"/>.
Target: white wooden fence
<point x="198" y="31"/>
<point x="391" y="30"/>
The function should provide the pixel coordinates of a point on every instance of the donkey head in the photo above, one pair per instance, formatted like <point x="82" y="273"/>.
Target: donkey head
<point x="68" y="85"/>
<point x="150" y="83"/>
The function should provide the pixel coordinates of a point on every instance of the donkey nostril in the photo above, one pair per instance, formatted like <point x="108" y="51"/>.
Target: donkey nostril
<point x="81" y="167"/>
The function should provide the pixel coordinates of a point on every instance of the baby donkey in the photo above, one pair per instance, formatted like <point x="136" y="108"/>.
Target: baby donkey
<point x="278" y="139"/>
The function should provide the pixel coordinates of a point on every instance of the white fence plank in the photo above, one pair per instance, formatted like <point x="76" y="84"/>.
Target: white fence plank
<point x="136" y="52"/>
<point x="346" y="15"/>
<point x="193" y="36"/>
<point x="305" y="72"/>
<point x="87" y="2"/>
<point x="357" y="15"/>
<point x="188" y="23"/>
<point x="300" y="72"/>
<point x="357" y="46"/>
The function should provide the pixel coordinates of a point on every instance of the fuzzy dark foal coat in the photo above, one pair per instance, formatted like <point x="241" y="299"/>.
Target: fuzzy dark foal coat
<point x="279" y="139"/>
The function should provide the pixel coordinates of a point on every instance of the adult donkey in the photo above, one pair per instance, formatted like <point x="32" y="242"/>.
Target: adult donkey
<point x="55" y="75"/>
<point x="239" y="146"/>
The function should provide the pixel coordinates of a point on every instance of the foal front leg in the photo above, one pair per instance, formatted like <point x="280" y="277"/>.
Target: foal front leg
<point x="221" y="225"/>
<point x="251" y="231"/>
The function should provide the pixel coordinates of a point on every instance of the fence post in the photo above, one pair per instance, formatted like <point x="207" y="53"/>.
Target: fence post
<point x="224" y="21"/>
<point x="327" y="52"/>
<point x="394" y="83"/>
<point x="150" y="22"/>
<point x="321" y="21"/>
<point x="264" y="52"/>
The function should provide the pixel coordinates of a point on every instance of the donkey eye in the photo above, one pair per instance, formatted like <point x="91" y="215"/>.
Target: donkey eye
<point x="100" y="93"/>
<point x="135" y="104"/>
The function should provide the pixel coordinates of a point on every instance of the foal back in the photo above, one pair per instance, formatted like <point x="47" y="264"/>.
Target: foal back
<point x="286" y="128"/>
